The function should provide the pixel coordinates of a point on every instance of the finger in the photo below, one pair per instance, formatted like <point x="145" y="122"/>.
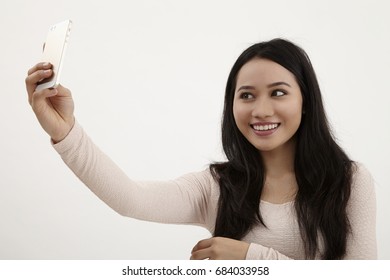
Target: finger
<point x="39" y="66"/>
<point x="34" y="78"/>
<point x="201" y="254"/>
<point x="38" y="98"/>
<point x="202" y="244"/>
<point x="37" y="76"/>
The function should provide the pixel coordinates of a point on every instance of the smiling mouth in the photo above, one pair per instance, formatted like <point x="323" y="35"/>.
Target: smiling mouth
<point x="266" y="127"/>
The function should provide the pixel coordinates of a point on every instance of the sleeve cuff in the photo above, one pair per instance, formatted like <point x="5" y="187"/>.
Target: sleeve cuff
<point x="253" y="252"/>
<point x="259" y="252"/>
<point x="74" y="136"/>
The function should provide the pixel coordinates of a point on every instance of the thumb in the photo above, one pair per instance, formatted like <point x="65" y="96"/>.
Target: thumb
<point x="63" y="91"/>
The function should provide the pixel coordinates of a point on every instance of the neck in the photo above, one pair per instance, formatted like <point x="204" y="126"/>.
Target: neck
<point x="279" y="162"/>
<point x="280" y="184"/>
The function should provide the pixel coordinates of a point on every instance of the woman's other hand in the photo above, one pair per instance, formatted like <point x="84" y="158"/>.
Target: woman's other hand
<point x="220" y="248"/>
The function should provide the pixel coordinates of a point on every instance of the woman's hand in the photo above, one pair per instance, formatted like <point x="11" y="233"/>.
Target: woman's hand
<point x="220" y="248"/>
<point x="53" y="107"/>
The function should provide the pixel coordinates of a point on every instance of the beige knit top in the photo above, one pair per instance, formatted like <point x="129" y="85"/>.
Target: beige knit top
<point x="193" y="199"/>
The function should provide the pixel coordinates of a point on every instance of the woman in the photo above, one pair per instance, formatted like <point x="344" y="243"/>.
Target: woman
<point x="287" y="190"/>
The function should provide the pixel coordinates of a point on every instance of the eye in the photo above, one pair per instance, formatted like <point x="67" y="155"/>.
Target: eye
<point x="246" y="95"/>
<point x="278" y="93"/>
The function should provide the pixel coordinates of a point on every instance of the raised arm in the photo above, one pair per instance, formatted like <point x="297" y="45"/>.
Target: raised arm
<point x="183" y="200"/>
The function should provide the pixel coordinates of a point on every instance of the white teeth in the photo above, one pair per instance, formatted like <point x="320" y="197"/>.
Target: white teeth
<point x="265" y="127"/>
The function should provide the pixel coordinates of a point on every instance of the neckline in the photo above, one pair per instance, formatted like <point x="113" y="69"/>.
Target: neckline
<point x="277" y="204"/>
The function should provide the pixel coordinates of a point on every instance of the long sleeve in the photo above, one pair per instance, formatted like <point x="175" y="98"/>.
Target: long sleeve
<point x="184" y="200"/>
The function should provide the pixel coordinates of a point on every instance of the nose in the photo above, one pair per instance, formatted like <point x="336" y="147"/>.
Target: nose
<point x="263" y="108"/>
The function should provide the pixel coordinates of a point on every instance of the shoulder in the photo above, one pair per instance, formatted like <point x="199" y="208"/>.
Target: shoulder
<point x="202" y="177"/>
<point x="205" y="188"/>
<point x="362" y="215"/>
<point x="362" y="184"/>
<point x="360" y="171"/>
<point x="203" y="181"/>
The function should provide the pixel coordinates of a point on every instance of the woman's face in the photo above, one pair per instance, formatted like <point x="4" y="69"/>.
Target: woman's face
<point x="267" y="104"/>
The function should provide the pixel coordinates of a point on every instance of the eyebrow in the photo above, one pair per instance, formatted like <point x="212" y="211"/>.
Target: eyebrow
<point x="268" y="86"/>
<point x="278" y="84"/>
<point x="246" y="87"/>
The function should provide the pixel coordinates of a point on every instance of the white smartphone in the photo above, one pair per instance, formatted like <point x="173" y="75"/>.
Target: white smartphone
<point x="54" y="52"/>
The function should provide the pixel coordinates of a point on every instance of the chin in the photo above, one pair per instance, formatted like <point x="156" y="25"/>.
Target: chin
<point x="265" y="148"/>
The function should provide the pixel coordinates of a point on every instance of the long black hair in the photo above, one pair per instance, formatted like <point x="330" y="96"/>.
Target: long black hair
<point x="322" y="169"/>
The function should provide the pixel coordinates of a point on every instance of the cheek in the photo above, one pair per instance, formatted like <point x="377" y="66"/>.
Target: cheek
<point x="239" y="114"/>
<point x="240" y="119"/>
<point x="293" y="114"/>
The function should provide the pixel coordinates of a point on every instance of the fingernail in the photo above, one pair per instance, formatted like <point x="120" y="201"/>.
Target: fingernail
<point x="46" y="71"/>
<point x="46" y="64"/>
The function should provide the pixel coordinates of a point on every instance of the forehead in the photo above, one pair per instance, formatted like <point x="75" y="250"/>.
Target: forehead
<point x="260" y="71"/>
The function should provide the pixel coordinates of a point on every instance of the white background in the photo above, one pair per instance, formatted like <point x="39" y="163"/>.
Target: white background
<point x="148" y="80"/>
